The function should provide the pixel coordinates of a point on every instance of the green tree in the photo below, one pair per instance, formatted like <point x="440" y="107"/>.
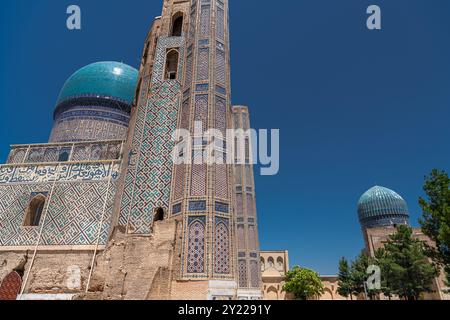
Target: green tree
<point x="435" y="219"/>
<point x="385" y="263"/>
<point x="408" y="271"/>
<point x="344" y="279"/>
<point x="358" y="274"/>
<point x="303" y="283"/>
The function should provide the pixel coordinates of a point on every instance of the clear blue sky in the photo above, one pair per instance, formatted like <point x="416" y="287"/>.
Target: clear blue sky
<point x="355" y="107"/>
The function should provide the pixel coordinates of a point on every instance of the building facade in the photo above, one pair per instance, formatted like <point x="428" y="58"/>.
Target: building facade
<point x="102" y="211"/>
<point x="380" y="211"/>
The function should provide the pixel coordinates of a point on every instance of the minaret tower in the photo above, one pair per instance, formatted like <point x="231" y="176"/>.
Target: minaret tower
<point x="184" y="83"/>
<point x="202" y="193"/>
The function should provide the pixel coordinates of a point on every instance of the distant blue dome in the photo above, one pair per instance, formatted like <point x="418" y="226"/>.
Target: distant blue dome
<point x="107" y="79"/>
<point x="380" y="207"/>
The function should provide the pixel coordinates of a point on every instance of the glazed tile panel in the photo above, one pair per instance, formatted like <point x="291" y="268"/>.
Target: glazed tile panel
<point x="149" y="173"/>
<point x="78" y="172"/>
<point x="73" y="213"/>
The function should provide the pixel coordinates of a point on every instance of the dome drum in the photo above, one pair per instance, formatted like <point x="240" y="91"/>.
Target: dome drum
<point x="95" y="103"/>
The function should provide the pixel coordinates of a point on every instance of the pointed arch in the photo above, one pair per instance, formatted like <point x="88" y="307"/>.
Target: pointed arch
<point x="34" y="211"/>
<point x="10" y="286"/>
<point x="222" y="247"/>
<point x="196" y="247"/>
<point x="172" y="60"/>
<point x="177" y="24"/>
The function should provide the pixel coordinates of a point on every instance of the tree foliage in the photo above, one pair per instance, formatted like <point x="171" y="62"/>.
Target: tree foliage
<point x="358" y="273"/>
<point x="405" y="269"/>
<point x="435" y="219"/>
<point x="303" y="283"/>
<point x="344" y="279"/>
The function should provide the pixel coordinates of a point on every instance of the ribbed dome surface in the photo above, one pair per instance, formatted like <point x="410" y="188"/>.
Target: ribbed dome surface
<point x="380" y="207"/>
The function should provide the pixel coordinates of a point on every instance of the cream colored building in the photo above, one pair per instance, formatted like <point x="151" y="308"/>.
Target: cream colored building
<point x="274" y="267"/>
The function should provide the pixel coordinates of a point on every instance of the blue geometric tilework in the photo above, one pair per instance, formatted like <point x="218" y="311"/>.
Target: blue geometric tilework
<point x="197" y="205"/>
<point x="75" y="214"/>
<point x="196" y="245"/>
<point x="149" y="174"/>
<point x="72" y="213"/>
<point x="222" y="207"/>
<point x="176" y="208"/>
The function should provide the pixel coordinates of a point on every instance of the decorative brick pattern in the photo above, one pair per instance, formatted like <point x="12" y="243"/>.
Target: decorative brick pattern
<point x="10" y="287"/>
<point x="242" y="273"/>
<point x="241" y="236"/>
<point x="221" y="181"/>
<point x="205" y="20"/>
<point x="222" y="247"/>
<point x="203" y="64"/>
<point x="196" y="246"/>
<point x="220" y="66"/>
<point x="220" y="23"/>
<point x="255" y="274"/>
<point x="246" y="209"/>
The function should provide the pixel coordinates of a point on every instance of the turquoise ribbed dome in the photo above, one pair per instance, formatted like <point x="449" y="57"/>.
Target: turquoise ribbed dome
<point x="106" y="79"/>
<point x="380" y="207"/>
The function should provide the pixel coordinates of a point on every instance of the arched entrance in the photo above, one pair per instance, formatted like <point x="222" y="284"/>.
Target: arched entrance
<point x="10" y="287"/>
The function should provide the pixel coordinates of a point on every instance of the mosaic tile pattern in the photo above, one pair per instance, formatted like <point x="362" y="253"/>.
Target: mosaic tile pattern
<point x="242" y="273"/>
<point x="239" y="205"/>
<point x="67" y="219"/>
<point x="252" y="237"/>
<point x="241" y="236"/>
<point x="255" y="274"/>
<point x="221" y="115"/>
<point x="201" y="110"/>
<point x="203" y="64"/>
<point x="149" y="174"/>
<point x="198" y="180"/>
<point x="222" y="207"/>
<point x="221" y="181"/>
<point x="196" y="247"/>
<point x="205" y="20"/>
<point x="189" y="69"/>
<point x="73" y="222"/>
<point x="220" y="23"/>
<point x="220" y="66"/>
<point x="180" y="171"/>
<point x="222" y="247"/>
<point x="17" y="155"/>
<point x="209" y="105"/>
<point x="250" y="204"/>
